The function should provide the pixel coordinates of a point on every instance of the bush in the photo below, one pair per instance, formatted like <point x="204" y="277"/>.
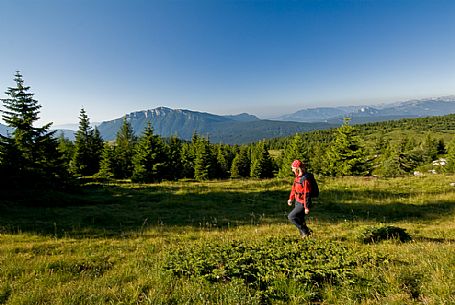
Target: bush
<point x="374" y="234"/>
<point x="268" y="266"/>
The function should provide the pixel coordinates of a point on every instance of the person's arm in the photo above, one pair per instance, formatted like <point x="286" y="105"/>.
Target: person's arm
<point x="292" y="195"/>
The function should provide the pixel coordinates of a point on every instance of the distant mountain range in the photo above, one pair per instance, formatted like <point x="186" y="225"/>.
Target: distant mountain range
<point x="232" y="129"/>
<point x="245" y="128"/>
<point x="365" y="114"/>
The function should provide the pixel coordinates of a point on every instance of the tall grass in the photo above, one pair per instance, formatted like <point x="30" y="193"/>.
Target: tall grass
<point x="109" y="244"/>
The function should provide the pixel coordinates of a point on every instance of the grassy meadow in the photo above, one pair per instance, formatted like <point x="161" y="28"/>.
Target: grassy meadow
<point x="229" y="242"/>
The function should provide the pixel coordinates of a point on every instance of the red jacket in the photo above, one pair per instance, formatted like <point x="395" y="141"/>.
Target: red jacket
<point x="300" y="192"/>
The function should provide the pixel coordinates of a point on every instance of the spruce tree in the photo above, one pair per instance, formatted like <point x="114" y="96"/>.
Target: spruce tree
<point x="262" y="166"/>
<point x="441" y="147"/>
<point x="174" y="153"/>
<point x="396" y="160"/>
<point x="204" y="163"/>
<point x="346" y="156"/>
<point x="188" y="155"/>
<point x="241" y="164"/>
<point x="66" y="148"/>
<point x="107" y="162"/>
<point x="376" y="152"/>
<point x="30" y="155"/>
<point x="222" y="161"/>
<point x="317" y="157"/>
<point x="294" y="150"/>
<point x="124" y="151"/>
<point x="429" y="148"/>
<point x="150" y="159"/>
<point x="88" y="148"/>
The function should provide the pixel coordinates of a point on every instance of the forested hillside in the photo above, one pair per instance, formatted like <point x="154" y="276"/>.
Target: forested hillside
<point x="391" y="148"/>
<point x="238" y="129"/>
<point x="32" y="155"/>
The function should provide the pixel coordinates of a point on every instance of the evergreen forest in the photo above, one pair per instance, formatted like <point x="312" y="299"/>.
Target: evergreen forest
<point x="36" y="157"/>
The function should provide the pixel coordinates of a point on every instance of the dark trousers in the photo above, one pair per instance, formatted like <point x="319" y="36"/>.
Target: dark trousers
<point x="297" y="217"/>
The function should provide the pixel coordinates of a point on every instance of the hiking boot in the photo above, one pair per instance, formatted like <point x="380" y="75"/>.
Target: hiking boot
<point x="304" y="235"/>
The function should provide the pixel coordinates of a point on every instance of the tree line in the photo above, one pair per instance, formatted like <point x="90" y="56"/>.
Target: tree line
<point x="37" y="157"/>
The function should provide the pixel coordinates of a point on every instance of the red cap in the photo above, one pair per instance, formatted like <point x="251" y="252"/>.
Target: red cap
<point x="296" y="163"/>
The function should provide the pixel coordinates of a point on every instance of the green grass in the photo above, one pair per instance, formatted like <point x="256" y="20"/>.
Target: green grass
<point x="119" y="244"/>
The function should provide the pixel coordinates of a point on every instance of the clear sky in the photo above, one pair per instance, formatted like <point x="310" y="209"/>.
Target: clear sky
<point x="267" y="58"/>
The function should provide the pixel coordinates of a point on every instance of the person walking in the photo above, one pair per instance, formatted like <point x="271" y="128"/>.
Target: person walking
<point x="300" y="194"/>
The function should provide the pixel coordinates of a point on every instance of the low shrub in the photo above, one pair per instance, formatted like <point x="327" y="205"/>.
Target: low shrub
<point x="374" y="234"/>
<point x="269" y="265"/>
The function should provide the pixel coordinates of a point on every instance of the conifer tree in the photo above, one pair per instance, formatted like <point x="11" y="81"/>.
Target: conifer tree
<point x="397" y="160"/>
<point x="241" y="164"/>
<point x="187" y="155"/>
<point x="429" y="148"/>
<point x="204" y="163"/>
<point x="88" y="148"/>
<point x="376" y="152"/>
<point x="107" y="162"/>
<point x="223" y="161"/>
<point x="346" y="156"/>
<point x="124" y="151"/>
<point x="441" y="147"/>
<point x="66" y="149"/>
<point x="150" y="159"/>
<point x="262" y="166"/>
<point x="294" y="150"/>
<point x="30" y="155"/>
<point x="174" y="152"/>
<point x="317" y="158"/>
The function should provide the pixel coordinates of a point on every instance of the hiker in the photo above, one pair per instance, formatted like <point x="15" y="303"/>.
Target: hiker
<point x="300" y="193"/>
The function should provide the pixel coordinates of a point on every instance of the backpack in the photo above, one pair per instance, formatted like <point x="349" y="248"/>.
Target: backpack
<point x="314" y="193"/>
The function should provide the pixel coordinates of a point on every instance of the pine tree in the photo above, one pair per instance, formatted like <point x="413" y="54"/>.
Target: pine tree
<point x="124" y="151"/>
<point x="188" y="155"/>
<point x="204" y="163"/>
<point x="294" y="150"/>
<point x="396" y="160"/>
<point x="429" y="149"/>
<point x="30" y="155"/>
<point x="441" y="147"/>
<point x="174" y="153"/>
<point x="66" y="149"/>
<point x="107" y="162"/>
<point x="262" y="166"/>
<point x="346" y="156"/>
<point x="150" y="159"/>
<point x="223" y="161"/>
<point x="97" y="146"/>
<point x="376" y="152"/>
<point x="241" y="164"/>
<point x="317" y="158"/>
<point x="88" y="148"/>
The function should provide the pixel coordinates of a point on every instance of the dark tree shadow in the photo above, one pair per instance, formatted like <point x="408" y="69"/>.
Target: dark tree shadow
<point x="99" y="210"/>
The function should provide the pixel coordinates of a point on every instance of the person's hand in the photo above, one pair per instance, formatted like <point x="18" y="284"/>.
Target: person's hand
<point x="307" y="211"/>
<point x="289" y="202"/>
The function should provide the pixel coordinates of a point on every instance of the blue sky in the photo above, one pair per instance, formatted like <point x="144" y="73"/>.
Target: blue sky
<point x="266" y="58"/>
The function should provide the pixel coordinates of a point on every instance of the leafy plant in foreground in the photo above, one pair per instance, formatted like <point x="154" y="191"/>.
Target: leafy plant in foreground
<point x="265" y="266"/>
